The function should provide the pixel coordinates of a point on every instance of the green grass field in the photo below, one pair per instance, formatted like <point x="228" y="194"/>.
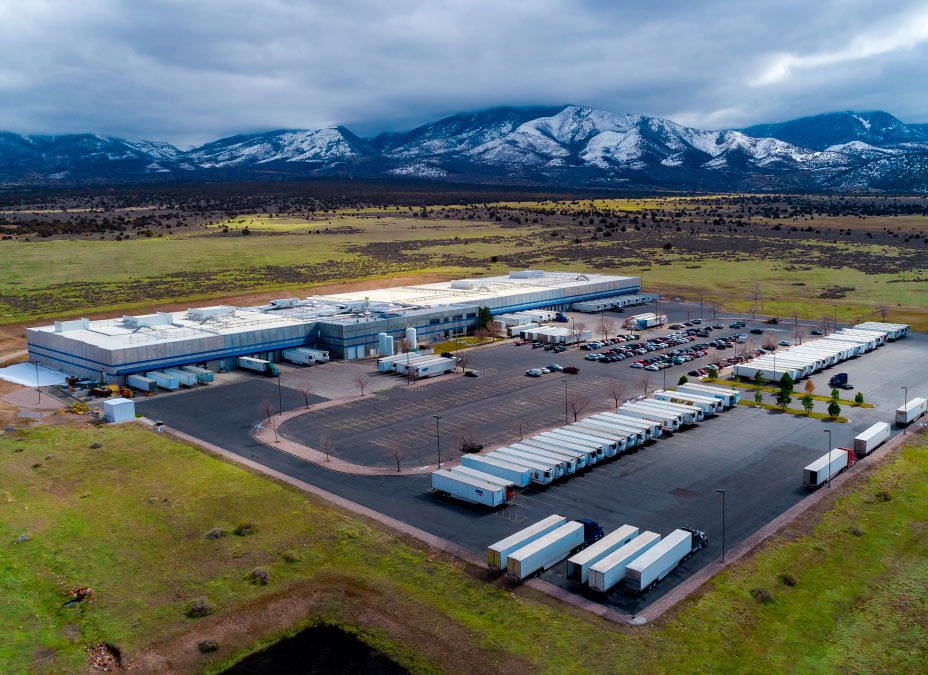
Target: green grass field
<point x="129" y="519"/>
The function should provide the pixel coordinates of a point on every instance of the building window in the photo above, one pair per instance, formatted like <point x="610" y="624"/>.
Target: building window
<point x="432" y="322"/>
<point x="472" y="315"/>
<point x="458" y="317"/>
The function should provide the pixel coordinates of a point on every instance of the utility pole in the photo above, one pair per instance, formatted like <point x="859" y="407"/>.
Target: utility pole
<point x="722" y="492"/>
<point x="835" y="322"/>
<point x="828" y="431"/>
<point x="566" y="417"/>
<point x="905" y="402"/>
<point x="437" y="439"/>
<point x="280" y="395"/>
<point x="37" y="390"/>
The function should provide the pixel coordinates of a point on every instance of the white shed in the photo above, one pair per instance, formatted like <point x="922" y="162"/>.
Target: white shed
<point x="119" y="410"/>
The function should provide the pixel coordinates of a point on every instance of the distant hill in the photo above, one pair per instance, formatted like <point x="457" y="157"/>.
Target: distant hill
<point x="565" y="145"/>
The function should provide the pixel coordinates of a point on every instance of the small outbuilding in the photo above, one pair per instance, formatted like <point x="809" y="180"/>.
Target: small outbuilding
<point x="119" y="409"/>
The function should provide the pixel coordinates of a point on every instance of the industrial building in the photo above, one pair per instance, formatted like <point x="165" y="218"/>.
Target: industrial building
<point x="348" y="325"/>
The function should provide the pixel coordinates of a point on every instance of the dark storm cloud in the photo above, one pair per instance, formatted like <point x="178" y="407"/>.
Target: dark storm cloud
<point x="193" y="71"/>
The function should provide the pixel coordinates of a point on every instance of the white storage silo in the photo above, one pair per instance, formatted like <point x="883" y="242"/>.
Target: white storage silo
<point x="411" y="343"/>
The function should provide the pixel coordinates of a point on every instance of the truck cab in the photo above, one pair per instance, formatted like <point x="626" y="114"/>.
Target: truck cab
<point x="591" y="531"/>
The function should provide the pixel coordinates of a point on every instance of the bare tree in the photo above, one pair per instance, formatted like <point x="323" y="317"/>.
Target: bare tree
<point x="576" y="329"/>
<point x="644" y="381"/>
<point x="326" y="446"/>
<point x="469" y="441"/>
<point x="398" y="452"/>
<point x="361" y="381"/>
<point x="268" y="409"/>
<point x="883" y="310"/>
<point x="616" y="392"/>
<point x="520" y="425"/>
<point x="464" y="361"/>
<point x="400" y="344"/>
<point x="576" y="404"/>
<point x="481" y="334"/>
<point x="307" y="391"/>
<point x="825" y="322"/>
<point x="606" y="326"/>
<point x="758" y="297"/>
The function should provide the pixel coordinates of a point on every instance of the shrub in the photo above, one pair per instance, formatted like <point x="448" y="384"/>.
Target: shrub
<point x="758" y="396"/>
<point x="858" y="397"/>
<point x="95" y="446"/>
<point x="762" y="595"/>
<point x="834" y="409"/>
<point x="245" y="528"/>
<point x="200" y="606"/>
<point x="835" y="394"/>
<point x="784" y="397"/>
<point x="786" y="383"/>
<point x="854" y="530"/>
<point x="713" y="373"/>
<point x="788" y="580"/>
<point x="259" y="576"/>
<point x="216" y="533"/>
<point x="883" y="496"/>
<point x="290" y="556"/>
<point x="207" y="646"/>
<point x="808" y="402"/>
<point x="759" y="379"/>
<point x="683" y="380"/>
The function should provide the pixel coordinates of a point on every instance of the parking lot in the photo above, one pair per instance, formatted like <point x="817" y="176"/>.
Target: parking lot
<point x="755" y="455"/>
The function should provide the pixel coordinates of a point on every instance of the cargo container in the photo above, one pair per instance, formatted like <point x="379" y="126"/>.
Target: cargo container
<point x="183" y="378"/>
<point x="645" y="571"/>
<point x="651" y="429"/>
<point x="578" y="566"/>
<point x="603" y="446"/>
<point x="825" y="468"/>
<point x="619" y="439"/>
<point x="578" y="456"/>
<point x="141" y="382"/>
<point x="203" y="375"/>
<point x="543" y="474"/>
<point x="911" y="411"/>
<point x="118" y="410"/>
<point x="469" y="489"/>
<point x="559" y="467"/>
<point x="164" y="381"/>
<point x="519" y="475"/>
<point x="433" y="368"/>
<point x="691" y="414"/>
<point x="567" y="462"/>
<point x="258" y="365"/>
<point x="669" y="421"/>
<point x="870" y="439"/>
<point x="588" y="452"/>
<point x="710" y="406"/>
<point x="321" y="355"/>
<point x="631" y="437"/>
<point x="497" y="554"/>
<point x="610" y="570"/>
<point x="551" y="548"/>
<point x="299" y="355"/>
<point x="727" y="395"/>
<point x="482" y="475"/>
<point x="893" y="331"/>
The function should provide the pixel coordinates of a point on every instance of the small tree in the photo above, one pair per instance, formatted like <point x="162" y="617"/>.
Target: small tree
<point x="268" y="409"/>
<point x="683" y="380"/>
<point x="810" y="387"/>
<point x="484" y="317"/>
<point x="808" y="402"/>
<point x="616" y="392"/>
<point x="786" y="383"/>
<point x="464" y="361"/>
<point x="520" y="425"/>
<point x="758" y="396"/>
<point x="858" y="398"/>
<point x="576" y="404"/>
<point x="481" y="334"/>
<point x="784" y="397"/>
<point x="606" y="326"/>
<point x="759" y="379"/>
<point x="834" y="409"/>
<point x="398" y="452"/>
<point x="307" y="391"/>
<point x="835" y="394"/>
<point x="326" y="446"/>
<point x="644" y="381"/>
<point x="361" y="381"/>
<point x="468" y="440"/>
<point x="713" y="373"/>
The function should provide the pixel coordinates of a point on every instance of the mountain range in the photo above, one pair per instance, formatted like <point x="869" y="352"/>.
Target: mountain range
<point x="567" y="145"/>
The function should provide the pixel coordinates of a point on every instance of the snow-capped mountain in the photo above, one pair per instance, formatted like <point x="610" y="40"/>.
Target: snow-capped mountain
<point x="571" y="144"/>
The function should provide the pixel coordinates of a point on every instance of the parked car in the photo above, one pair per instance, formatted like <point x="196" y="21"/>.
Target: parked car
<point x="521" y="342"/>
<point x="783" y="343"/>
<point x="737" y="324"/>
<point x="757" y="331"/>
<point x="816" y="332"/>
<point x="447" y="355"/>
<point x="555" y="367"/>
<point x="573" y="370"/>
<point x="533" y="372"/>
<point x="471" y="373"/>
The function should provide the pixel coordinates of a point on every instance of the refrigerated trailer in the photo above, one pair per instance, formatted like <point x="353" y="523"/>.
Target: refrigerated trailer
<point x="587" y="452"/>
<point x="727" y="395"/>
<point x="203" y="375"/>
<point x="497" y="554"/>
<point x="911" y="411"/>
<point x="825" y="468"/>
<point x="481" y="475"/>
<point x="871" y="438"/>
<point x="164" y="381"/>
<point x="709" y="406"/>
<point x="691" y="414"/>
<point x="470" y="489"/>
<point x="321" y="355"/>
<point x="258" y="365"/>
<point x="661" y="559"/>
<point x="603" y="446"/>
<point x="567" y="463"/>
<point x="559" y="449"/>
<point x="670" y="421"/>
<point x="299" y="355"/>
<point x="610" y="570"/>
<point x="893" y="331"/>
<point x="592" y="449"/>
<point x="517" y="474"/>
<point x="578" y="565"/>
<point x="543" y="473"/>
<point x="183" y="378"/>
<point x="618" y="438"/>
<point x="551" y="548"/>
<point x="634" y="436"/>
<point x="650" y="429"/>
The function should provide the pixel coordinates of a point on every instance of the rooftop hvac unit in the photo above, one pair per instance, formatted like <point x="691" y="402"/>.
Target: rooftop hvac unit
<point x="205" y="313"/>
<point x="526" y="274"/>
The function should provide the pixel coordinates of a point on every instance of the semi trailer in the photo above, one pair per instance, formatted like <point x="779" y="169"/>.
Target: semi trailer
<point x="164" y="381"/>
<point x="183" y="378"/>
<point x="470" y="489"/>
<point x="727" y="395"/>
<point x="203" y="375"/>
<point x="870" y="439"/>
<point x="519" y="475"/>
<point x="645" y="571"/>
<point x="568" y="463"/>
<point x="542" y="474"/>
<point x="299" y="355"/>
<point x="578" y="565"/>
<point x="827" y="467"/>
<point x="497" y="553"/>
<point x="258" y="366"/>
<point x="141" y="382"/>
<point x="610" y="570"/>
<point x="911" y="411"/>
<point x="550" y="549"/>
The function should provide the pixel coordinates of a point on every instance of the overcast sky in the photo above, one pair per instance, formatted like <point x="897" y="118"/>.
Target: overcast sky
<point x="189" y="71"/>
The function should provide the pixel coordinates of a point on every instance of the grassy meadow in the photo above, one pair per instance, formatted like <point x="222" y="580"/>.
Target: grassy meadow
<point x="129" y="519"/>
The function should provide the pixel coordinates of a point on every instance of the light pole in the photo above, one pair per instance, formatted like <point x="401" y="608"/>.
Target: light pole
<point x="828" y="431"/>
<point x="700" y="307"/>
<point x="905" y="402"/>
<point x="437" y="439"/>
<point x="280" y="395"/>
<point x="566" y="417"/>
<point x="37" y="390"/>
<point x="834" y="326"/>
<point x="722" y="492"/>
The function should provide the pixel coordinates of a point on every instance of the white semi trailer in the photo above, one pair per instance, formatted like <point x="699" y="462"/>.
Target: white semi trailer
<point x="911" y="411"/>
<point x="551" y="548"/>
<point x="183" y="378"/>
<point x="667" y="421"/>
<point x="203" y="375"/>
<point x="488" y="477"/>
<point x="578" y="566"/>
<point x="661" y="559"/>
<point x="587" y="452"/>
<point x="541" y="473"/>
<point x="305" y="357"/>
<point x="825" y="468"/>
<point x="871" y="438"/>
<point x="497" y="554"/>
<point x="517" y="474"/>
<point x="560" y="450"/>
<point x="469" y="489"/>
<point x="651" y="429"/>
<point x="728" y="395"/>
<point x="610" y="570"/>
<point x="710" y="406"/>
<point x="568" y="463"/>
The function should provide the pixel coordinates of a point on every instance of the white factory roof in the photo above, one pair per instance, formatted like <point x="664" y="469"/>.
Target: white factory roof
<point x="469" y="291"/>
